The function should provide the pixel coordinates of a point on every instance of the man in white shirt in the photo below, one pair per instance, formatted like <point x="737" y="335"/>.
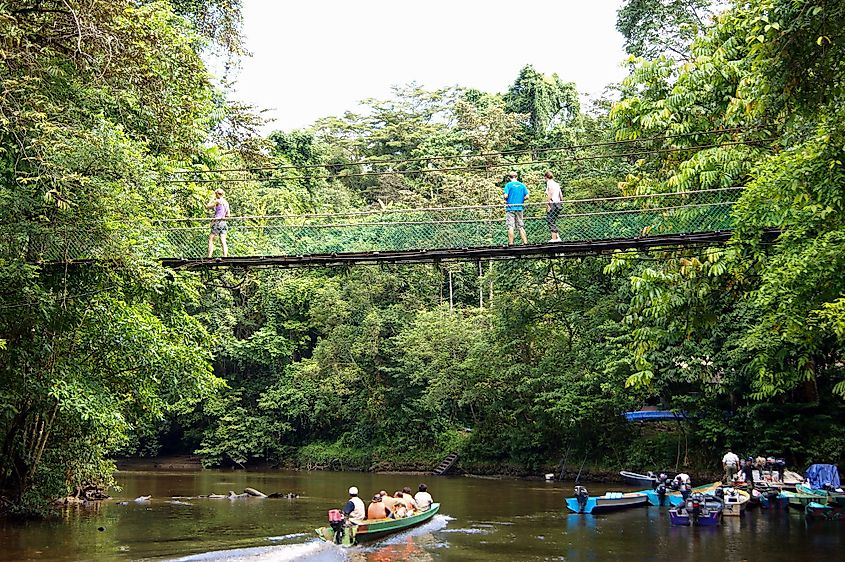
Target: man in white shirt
<point x="354" y="508"/>
<point x="423" y="498"/>
<point x="730" y="462"/>
<point x="554" y="204"/>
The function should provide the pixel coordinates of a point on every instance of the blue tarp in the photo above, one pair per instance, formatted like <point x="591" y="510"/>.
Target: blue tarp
<point x="820" y="474"/>
<point x="655" y="415"/>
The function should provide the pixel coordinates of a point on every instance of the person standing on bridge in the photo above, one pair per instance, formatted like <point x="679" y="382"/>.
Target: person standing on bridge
<point x="218" y="225"/>
<point x="515" y="194"/>
<point x="554" y="204"/>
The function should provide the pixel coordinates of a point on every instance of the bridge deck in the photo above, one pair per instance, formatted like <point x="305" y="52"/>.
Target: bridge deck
<point x="390" y="235"/>
<point x="546" y="250"/>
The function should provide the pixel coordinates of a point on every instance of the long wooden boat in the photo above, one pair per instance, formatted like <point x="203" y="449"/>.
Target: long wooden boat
<point x="610" y="501"/>
<point x="826" y="497"/>
<point x="636" y="479"/>
<point x="676" y="498"/>
<point x="369" y="530"/>
<point x="799" y="500"/>
<point x="735" y="502"/>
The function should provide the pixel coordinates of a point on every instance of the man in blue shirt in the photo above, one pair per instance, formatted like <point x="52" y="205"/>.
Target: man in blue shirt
<point x="515" y="195"/>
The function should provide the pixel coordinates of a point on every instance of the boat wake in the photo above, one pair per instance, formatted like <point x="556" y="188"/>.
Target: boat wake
<point x="315" y="551"/>
<point x="288" y="537"/>
<point x="437" y="523"/>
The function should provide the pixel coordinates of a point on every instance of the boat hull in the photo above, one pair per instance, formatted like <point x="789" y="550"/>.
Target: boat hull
<point x="608" y="502"/>
<point x="635" y="479"/>
<point x="825" y="497"/>
<point x="681" y="517"/>
<point x="799" y="500"/>
<point x="815" y="510"/>
<point x="370" y="530"/>
<point x="733" y="506"/>
<point x="667" y="499"/>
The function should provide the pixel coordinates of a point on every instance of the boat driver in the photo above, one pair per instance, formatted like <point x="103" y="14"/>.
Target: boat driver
<point x="354" y="508"/>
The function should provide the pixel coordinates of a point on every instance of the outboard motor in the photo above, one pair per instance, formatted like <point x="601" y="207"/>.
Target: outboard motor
<point x="582" y="496"/>
<point x="695" y="504"/>
<point x="336" y="523"/>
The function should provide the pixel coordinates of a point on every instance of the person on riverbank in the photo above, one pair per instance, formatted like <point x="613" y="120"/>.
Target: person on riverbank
<point x="515" y="194"/>
<point x="730" y="462"/>
<point x="423" y="498"/>
<point x="554" y="204"/>
<point x="377" y="509"/>
<point x="354" y="509"/>
<point x="219" y="227"/>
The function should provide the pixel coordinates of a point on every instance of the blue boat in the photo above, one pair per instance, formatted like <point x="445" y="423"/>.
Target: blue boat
<point x="610" y="501"/>
<point x="657" y="499"/>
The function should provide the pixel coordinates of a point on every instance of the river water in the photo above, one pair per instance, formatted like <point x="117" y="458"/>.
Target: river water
<point x="480" y="519"/>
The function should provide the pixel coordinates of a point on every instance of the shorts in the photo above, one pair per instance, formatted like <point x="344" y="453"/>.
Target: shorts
<point x="219" y="227"/>
<point x="514" y="218"/>
<point x="551" y="216"/>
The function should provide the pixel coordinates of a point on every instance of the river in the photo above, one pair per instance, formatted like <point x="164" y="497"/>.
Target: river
<point x="480" y="519"/>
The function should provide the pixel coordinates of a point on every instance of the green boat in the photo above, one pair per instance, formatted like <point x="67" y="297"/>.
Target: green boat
<point x="369" y="530"/>
<point x="800" y="500"/>
<point x="832" y="498"/>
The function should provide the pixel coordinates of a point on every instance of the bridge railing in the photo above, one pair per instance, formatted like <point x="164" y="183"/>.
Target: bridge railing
<point x="392" y="229"/>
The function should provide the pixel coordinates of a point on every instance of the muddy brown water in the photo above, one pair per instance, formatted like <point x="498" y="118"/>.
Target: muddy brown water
<point x="480" y="519"/>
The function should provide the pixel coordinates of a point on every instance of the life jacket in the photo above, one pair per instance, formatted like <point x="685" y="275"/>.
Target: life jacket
<point x="376" y="510"/>
<point x="357" y="514"/>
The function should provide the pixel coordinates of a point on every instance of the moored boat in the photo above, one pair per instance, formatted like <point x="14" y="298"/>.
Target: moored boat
<point x="676" y="498"/>
<point x="368" y="530"/>
<point x="635" y="479"/>
<point x="815" y="510"/>
<point x="799" y="500"/>
<point x="699" y="510"/>
<point x="660" y="497"/>
<point x="823" y="481"/>
<point x="734" y="501"/>
<point x="824" y="496"/>
<point x="610" y="501"/>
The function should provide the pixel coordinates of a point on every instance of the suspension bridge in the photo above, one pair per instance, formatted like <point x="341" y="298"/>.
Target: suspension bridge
<point x="413" y="235"/>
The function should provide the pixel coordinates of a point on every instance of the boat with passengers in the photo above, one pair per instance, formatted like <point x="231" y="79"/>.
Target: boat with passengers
<point x="341" y="531"/>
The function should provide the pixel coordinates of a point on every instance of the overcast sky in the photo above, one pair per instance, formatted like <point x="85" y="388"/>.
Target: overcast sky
<point x="314" y="58"/>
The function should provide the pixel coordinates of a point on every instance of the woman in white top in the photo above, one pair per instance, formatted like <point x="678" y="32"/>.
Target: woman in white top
<point x="554" y="204"/>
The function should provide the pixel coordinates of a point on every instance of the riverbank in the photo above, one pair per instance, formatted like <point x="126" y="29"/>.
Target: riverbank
<point x="588" y="473"/>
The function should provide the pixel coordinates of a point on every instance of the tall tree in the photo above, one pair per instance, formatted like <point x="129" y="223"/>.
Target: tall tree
<point x="662" y="27"/>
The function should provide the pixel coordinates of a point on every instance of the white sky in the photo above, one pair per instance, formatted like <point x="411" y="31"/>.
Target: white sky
<point x="315" y="58"/>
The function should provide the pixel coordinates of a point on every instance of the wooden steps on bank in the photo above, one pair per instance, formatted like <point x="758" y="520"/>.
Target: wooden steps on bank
<point x="446" y="464"/>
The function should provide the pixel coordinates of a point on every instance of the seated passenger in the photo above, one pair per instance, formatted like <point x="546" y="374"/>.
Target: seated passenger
<point x="389" y="502"/>
<point x="377" y="509"/>
<point x="423" y="498"/>
<point x="408" y="499"/>
<point x="399" y="508"/>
